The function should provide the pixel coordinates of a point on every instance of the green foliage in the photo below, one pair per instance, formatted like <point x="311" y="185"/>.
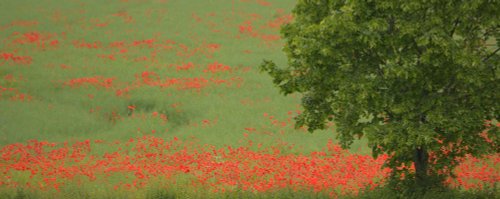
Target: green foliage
<point x="407" y="75"/>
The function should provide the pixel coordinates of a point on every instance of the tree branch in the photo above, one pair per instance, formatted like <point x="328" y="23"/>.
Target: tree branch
<point x="491" y="55"/>
<point x="416" y="47"/>
<point x="391" y="21"/>
<point x="389" y="114"/>
<point x="455" y="24"/>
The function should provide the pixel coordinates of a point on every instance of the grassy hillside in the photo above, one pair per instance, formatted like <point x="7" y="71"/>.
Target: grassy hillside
<point x="137" y="98"/>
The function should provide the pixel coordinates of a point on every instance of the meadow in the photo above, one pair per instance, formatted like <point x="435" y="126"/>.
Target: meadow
<point x="164" y="99"/>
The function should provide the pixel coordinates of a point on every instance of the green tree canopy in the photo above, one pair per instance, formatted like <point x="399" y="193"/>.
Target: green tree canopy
<point x="418" y="79"/>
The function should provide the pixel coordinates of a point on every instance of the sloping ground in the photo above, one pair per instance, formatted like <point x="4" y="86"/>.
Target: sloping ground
<point x="98" y="96"/>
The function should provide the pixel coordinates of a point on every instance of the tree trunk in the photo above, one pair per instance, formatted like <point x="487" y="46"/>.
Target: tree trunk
<point x="420" y="160"/>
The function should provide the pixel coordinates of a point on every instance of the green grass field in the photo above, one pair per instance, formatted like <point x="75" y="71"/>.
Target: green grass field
<point x="114" y="70"/>
<point x="58" y="112"/>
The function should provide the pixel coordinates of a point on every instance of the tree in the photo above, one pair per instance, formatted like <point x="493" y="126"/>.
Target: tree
<point x="418" y="78"/>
